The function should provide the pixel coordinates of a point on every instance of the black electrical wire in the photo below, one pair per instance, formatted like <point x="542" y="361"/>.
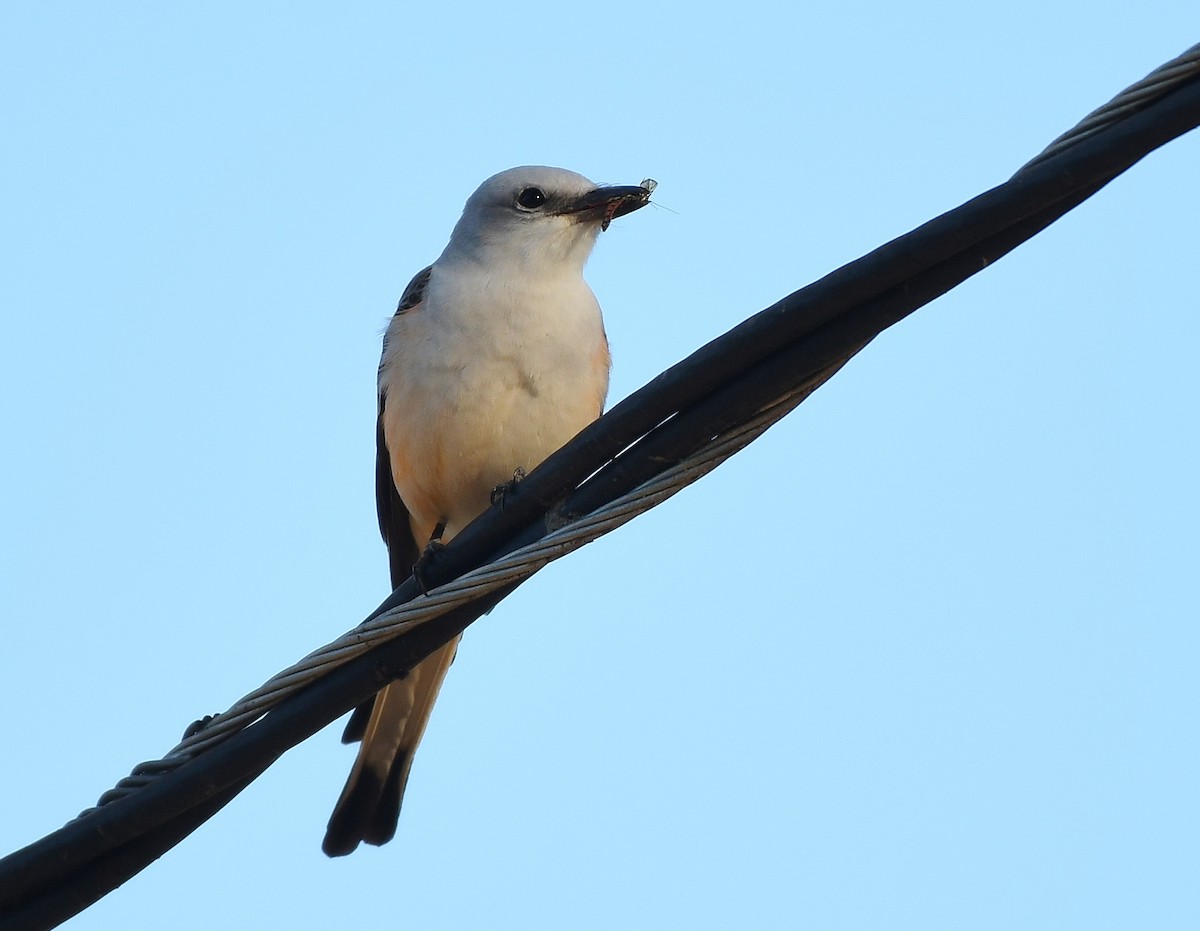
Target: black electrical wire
<point x="798" y="342"/>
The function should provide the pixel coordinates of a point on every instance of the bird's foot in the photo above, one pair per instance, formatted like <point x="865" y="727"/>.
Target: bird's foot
<point x="425" y="562"/>
<point x="428" y="557"/>
<point x="197" y="726"/>
<point x="502" y="491"/>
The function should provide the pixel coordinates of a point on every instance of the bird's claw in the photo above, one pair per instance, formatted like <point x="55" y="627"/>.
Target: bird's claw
<point x="424" y="562"/>
<point x="503" y="490"/>
<point x="432" y="548"/>
<point x="197" y="726"/>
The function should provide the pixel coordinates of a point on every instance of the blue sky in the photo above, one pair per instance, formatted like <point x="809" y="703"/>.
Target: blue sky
<point x="922" y="657"/>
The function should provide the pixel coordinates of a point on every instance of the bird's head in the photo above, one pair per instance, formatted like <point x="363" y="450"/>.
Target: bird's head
<point x="538" y="215"/>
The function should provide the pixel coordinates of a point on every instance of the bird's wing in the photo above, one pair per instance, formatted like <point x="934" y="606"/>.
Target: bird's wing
<point x="403" y="549"/>
<point x="390" y="726"/>
<point x="394" y="526"/>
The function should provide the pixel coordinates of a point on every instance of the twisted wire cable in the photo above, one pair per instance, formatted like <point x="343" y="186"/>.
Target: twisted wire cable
<point x="525" y="561"/>
<point x="670" y="432"/>
<point x="1135" y="97"/>
<point x="516" y="566"/>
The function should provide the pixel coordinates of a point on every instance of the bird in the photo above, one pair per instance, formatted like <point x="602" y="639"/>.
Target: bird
<point x="496" y="357"/>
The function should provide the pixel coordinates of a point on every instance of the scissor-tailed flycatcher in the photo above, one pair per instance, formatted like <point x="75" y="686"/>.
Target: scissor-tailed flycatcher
<point x="495" y="358"/>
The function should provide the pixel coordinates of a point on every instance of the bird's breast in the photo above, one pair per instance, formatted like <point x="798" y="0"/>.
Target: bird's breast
<point x="481" y="381"/>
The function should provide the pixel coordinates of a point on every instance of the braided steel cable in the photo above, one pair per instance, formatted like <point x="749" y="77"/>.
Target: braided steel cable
<point x="1135" y="97"/>
<point x="672" y="431"/>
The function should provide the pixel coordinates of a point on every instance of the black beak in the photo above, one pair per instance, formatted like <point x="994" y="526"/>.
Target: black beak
<point x="608" y="203"/>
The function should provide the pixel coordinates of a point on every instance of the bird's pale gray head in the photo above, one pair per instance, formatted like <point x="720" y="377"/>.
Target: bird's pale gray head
<point x="536" y="214"/>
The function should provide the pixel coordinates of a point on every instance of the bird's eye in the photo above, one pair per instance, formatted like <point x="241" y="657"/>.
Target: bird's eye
<point x="531" y="198"/>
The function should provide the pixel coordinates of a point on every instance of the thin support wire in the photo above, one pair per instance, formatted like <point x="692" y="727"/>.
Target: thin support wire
<point x="516" y="566"/>
<point x="524" y="562"/>
<point x="1158" y="82"/>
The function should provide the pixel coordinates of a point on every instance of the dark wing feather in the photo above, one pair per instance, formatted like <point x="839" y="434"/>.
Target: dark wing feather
<point x="415" y="292"/>
<point x="403" y="551"/>
<point x="393" y="515"/>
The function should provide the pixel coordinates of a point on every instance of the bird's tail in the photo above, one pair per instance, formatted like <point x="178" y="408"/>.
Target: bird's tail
<point x="369" y="806"/>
